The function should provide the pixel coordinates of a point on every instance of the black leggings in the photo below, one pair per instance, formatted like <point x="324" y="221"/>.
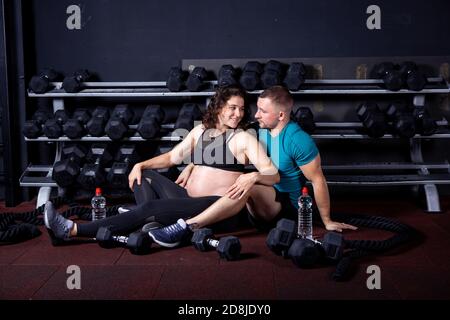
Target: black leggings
<point x="159" y="199"/>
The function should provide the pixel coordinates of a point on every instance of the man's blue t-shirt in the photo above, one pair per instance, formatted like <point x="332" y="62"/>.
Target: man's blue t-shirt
<point x="291" y="148"/>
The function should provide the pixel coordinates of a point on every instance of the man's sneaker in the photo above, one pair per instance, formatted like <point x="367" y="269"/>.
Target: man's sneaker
<point x="170" y="236"/>
<point x="124" y="209"/>
<point x="58" y="226"/>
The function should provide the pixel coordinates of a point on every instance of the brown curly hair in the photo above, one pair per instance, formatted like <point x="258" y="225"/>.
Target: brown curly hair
<point x="218" y="101"/>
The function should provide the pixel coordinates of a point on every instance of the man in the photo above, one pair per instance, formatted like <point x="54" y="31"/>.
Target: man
<point x="295" y="155"/>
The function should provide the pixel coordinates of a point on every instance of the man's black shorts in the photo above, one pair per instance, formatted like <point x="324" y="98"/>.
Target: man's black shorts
<point x="287" y="211"/>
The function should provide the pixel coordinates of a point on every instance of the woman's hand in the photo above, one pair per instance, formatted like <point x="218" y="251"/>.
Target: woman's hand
<point x="242" y="185"/>
<point x="184" y="175"/>
<point x="135" y="174"/>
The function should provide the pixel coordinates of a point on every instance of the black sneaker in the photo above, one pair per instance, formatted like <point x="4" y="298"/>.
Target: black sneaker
<point x="170" y="236"/>
<point x="58" y="225"/>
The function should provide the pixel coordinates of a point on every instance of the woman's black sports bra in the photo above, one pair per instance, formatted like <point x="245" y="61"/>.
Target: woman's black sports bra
<point x="215" y="152"/>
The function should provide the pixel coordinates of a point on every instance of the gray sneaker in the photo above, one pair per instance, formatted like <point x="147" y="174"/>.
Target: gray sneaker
<point x="124" y="209"/>
<point x="58" y="225"/>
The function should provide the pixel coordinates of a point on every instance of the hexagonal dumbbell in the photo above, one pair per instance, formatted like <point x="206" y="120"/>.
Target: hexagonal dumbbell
<point x="93" y="173"/>
<point x="74" y="128"/>
<point x="75" y="83"/>
<point x="196" y="79"/>
<point x="41" y="82"/>
<point x="281" y="237"/>
<point x="151" y="120"/>
<point x="33" y="128"/>
<point x="137" y="242"/>
<point x="412" y="77"/>
<point x="96" y="125"/>
<point x="189" y="113"/>
<point x="117" y="126"/>
<point x="273" y="74"/>
<point x="176" y="80"/>
<point x="229" y="248"/>
<point x="295" y="76"/>
<point x="251" y="76"/>
<point x="53" y="128"/>
<point x="125" y="158"/>
<point x="389" y="73"/>
<point x="227" y="76"/>
<point x="66" y="171"/>
<point x="403" y="121"/>
<point x="372" y="118"/>
<point x="305" y="253"/>
<point x="305" y="119"/>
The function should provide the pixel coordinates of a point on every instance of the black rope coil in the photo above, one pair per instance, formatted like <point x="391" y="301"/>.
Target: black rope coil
<point x="22" y="226"/>
<point x="360" y="248"/>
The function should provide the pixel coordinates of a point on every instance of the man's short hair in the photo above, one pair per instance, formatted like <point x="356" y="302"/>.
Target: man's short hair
<point x="280" y="96"/>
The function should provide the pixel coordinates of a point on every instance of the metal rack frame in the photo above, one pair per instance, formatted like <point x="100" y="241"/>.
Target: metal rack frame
<point x="422" y="174"/>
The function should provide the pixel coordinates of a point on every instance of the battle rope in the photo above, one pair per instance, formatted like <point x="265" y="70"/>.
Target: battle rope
<point x="18" y="227"/>
<point x="360" y="248"/>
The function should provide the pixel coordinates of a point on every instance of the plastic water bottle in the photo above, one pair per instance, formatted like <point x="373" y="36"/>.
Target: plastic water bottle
<point x="305" y="228"/>
<point x="98" y="203"/>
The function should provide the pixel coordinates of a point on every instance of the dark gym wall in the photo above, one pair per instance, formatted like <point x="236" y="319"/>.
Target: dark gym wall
<point x="139" y="40"/>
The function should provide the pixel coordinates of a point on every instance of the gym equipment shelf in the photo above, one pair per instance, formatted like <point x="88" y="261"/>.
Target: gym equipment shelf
<point x="158" y="89"/>
<point x="342" y="130"/>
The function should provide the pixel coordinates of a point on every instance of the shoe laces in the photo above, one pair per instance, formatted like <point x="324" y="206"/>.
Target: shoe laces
<point x="173" y="229"/>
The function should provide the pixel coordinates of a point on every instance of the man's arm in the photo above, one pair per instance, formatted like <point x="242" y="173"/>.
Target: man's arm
<point x="313" y="172"/>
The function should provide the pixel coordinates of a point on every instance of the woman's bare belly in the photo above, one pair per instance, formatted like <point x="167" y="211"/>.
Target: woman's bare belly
<point x="209" y="181"/>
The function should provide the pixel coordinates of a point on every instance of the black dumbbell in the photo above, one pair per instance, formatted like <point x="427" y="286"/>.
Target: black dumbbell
<point x="305" y="119"/>
<point x="66" y="171"/>
<point x="196" y="79"/>
<point x="412" y="77"/>
<point x="305" y="253"/>
<point x="75" y="83"/>
<point x="228" y="76"/>
<point x="41" y="82"/>
<point x="280" y="238"/>
<point x="425" y="124"/>
<point x="389" y="73"/>
<point x="295" y="76"/>
<point x="151" y="120"/>
<point x="402" y="119"/>
<point x="53" y="128"/>
<point x="189" y="113"/>
<point x="33" y="128"/>
<point x="117" y="126"/>
<point x="74" y="128"/>
<point x="251" y="76"/>
<point x="92" y="174"/>
<point x="137" y="242"/>
<point x="96" y="125"/>
<point x="229" y="248"/>
<point x="273" y="74"/>
<point x="176" y="79"/>
<point x="372" y="118"/>
<point x="125" y="158"/>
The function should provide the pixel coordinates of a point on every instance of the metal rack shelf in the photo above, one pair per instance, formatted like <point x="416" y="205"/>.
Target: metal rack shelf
<point x="324" y="130"/>
<point x="158" y="89"/>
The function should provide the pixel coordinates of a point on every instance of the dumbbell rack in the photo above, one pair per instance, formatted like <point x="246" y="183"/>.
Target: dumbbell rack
<point x="420" y="171"/>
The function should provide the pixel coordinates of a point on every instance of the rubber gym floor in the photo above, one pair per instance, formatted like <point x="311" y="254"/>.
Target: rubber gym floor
<point x="35" y="270"/>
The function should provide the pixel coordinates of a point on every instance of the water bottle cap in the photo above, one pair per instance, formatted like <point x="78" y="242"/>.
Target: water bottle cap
<point x="98" y="191"/>
<point x="304" y="190"/>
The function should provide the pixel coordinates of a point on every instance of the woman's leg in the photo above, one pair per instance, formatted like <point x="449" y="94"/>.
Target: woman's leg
<point x="164" y="211"/>
<point x="155" y="186"/>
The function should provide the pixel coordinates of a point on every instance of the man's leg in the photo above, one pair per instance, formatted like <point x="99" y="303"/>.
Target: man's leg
<point x="260" y="202"/>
